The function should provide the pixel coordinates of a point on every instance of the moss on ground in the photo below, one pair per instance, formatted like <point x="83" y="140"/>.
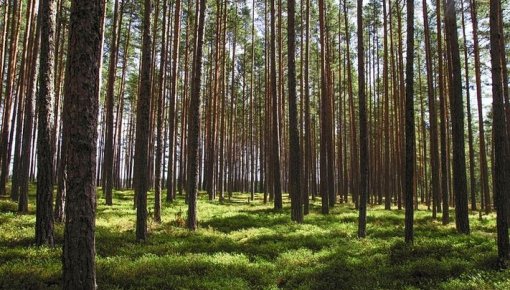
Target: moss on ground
<point x="247" y="245"/>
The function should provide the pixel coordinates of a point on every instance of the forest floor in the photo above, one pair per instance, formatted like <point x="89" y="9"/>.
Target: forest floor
<point x="247" y="245"/>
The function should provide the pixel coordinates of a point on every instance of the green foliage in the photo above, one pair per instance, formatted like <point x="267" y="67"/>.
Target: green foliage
<point x="246" y="245"/>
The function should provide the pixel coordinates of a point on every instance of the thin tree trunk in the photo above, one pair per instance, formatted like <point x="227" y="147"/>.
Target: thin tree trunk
<point x="409" y="126"/>
<point x="484" y="175"/>
<point x="141" y="183"/>
<point x="28" y="123"/>
<point x="307" y="135"/>
<point x="9" y="92"/>
<point x="277" y="192"/>
<point x="295" y="162"/>
<point x="364" y="154"/>
<point x="109" y="140"/>
<point x="173" y="95"/>
<point x="159" y="118"/>
<point x="434" y="152"/>
<point x="472" y="178"/>
<point x="194" y="116"/>
<point x="443" y="124"/>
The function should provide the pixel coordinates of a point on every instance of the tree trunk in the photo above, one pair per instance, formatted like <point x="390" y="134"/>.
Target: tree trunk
<point x="141" y="183"/>
<point x="159" y="118"/>
<point x="501" y="166"/>
<point x="364" y="171"/>
<point x="194" y="116"/>
<point x="173" y="95"/>
<point x="457" y="119"/>
<point x="307" y="134"/>
<point x="23" y="84"/>
<point x="109" y="140"/>
<point x="484" y="175"/>
<point x="28" y="123"/>
<point x="82" y="101"/>
<point x="295" y="155"/>
<point x="9" y="92"/>
<point x="409" y="126"/>
<point x="277" y="191"/>
<point x="434" y="151"/>
<point x="44" y="213"/>
<point x="443" y="124"/>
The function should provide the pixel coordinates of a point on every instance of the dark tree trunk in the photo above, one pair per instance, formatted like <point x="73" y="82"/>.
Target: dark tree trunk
<point x="82" y="99"/>
<point x="44" y="212"/>
<point x="409" y="126"/>
<point x="295" y="155"/>
<point x="387" y="195"/>
<point x="194" y="116"/>
<point x="307" y="134"/>
<point x="363" y="128"/>
<point x="501" y="166"/>
<point x="326" y="140"/>
<point x="457" y="119"/>
<point x="275" y="153"/>
<point x="141" y="183"/>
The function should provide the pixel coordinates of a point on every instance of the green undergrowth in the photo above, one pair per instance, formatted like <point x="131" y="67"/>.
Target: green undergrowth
<point x="248" y="245"/>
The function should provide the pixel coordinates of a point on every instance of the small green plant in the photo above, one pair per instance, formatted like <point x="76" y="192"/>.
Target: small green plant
<point x="179" y="220"/>
<point x="150" y="218"/>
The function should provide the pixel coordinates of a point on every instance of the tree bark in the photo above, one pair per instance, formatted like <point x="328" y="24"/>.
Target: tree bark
<point x="44" y="101"/>
<point x="82" y="98"/>
<point x="457" y="119"/>
<point x="363" y="128"/>
<point x="194" y="116"/>
<point x="295" y="155"/>
<point x="501" y="166"/>
<point x="141" y="183"/>
<point x="409" y="126"/>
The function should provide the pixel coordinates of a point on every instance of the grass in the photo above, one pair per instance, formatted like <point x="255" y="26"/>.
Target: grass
<point x="247" y="245"/>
